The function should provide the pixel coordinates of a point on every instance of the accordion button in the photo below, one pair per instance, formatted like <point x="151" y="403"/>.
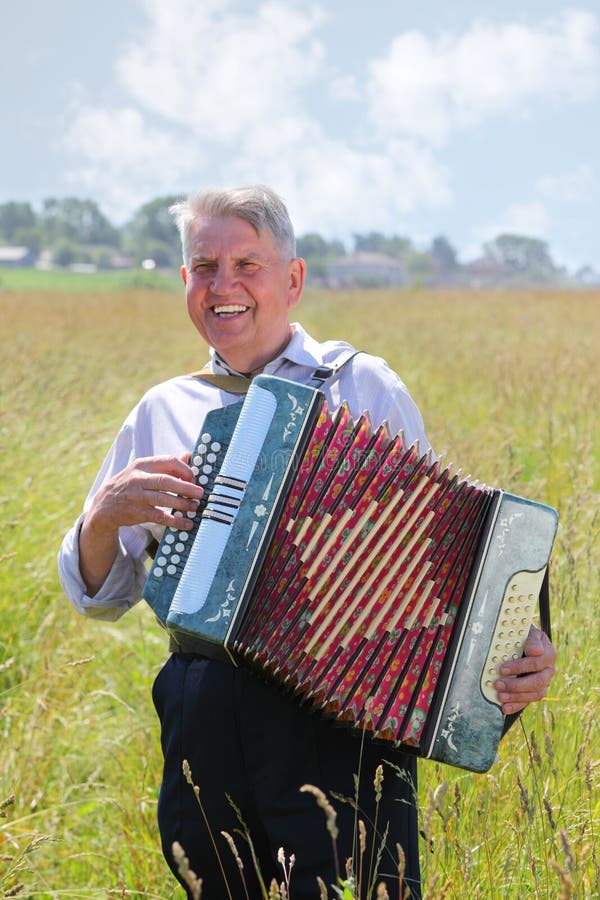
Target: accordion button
<point x="158" y="572"/>
<point x="215" y="446"/>
<point x="170" y="539"/>
<point x="203" y="479"/>
<point x="197" y="460"/>
<point x="180" y="547"/>
<point x="161" y="561"/>
<point x="175" y="559"/>
<point x="207" y="469"/>
<point x="183" y="536"/>
<point x="205" y="438"/>
<point x="211" y="457"/>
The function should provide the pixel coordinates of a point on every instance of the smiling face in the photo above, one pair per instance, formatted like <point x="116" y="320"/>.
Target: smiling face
<point x="240" y="290"/>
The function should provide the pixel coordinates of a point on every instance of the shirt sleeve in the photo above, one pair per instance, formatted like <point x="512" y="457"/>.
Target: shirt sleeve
<point x="124" y="584"/>
<point x="367" y="383"/>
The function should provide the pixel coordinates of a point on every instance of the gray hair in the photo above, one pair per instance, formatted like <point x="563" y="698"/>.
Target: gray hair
<point x="255" y="203"/>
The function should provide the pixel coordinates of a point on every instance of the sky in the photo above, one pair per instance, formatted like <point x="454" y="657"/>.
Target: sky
<point x="467" y="119"/>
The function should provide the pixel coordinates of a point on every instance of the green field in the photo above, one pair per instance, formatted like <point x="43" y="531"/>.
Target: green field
<point x="509" y="387"/>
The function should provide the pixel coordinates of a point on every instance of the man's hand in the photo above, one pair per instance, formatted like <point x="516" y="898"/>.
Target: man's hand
<point x="535" y="669"/>
<point x="146" y="491"/>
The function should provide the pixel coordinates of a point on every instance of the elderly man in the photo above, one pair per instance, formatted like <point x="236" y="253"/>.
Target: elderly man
<point x="244" y="740"/>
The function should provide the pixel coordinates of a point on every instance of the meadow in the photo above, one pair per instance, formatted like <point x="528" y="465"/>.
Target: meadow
<point x="509" y="387"/>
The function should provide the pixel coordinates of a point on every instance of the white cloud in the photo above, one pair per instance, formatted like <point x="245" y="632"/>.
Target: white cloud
<point x="218" y="72"/>
<point x="429" y="87"/>
<point x="121" y="155"/>
<point x="530" y="219"/>
<point x="215" y="95"/>
<point x="577" y="186"/>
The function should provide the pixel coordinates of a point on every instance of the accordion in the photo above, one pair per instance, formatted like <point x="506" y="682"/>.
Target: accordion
<point x="363" y="577"/>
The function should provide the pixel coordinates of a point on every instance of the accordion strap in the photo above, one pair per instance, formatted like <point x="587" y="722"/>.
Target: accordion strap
<point x="544" y="603"/>
<point x="233" y="384"/>
<point x="239" y="384"/>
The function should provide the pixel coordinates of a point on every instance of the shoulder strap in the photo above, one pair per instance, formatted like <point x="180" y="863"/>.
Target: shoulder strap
<point x="323" y="373"/>
<point x="233" y="384"/>
<point x="239" y="384"/>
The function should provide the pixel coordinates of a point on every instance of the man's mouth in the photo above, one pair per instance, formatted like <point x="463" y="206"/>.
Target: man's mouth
<point x="232" y="309"/>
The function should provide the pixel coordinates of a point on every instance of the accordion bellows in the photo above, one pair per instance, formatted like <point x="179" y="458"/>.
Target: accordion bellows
<point x="371" y="582"/>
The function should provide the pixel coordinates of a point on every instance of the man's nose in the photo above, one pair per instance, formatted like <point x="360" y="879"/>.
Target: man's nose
<point x="224" y="280"/>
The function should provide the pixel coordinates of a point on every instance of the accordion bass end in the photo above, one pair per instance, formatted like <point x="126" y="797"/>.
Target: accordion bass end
<point x="371" y="583"/>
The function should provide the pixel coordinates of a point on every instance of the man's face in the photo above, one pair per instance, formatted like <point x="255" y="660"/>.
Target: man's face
<point x="239" y="291"/>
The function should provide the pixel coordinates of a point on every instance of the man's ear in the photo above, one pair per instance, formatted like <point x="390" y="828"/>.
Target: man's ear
<point x="297" y="275"/>
<point x="184" y="274"/>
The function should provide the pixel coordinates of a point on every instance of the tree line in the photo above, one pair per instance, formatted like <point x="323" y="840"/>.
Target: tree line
<point x="70" y="231"/>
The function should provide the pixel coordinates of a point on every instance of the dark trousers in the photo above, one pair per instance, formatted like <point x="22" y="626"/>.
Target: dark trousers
<point x="244" y="739"/>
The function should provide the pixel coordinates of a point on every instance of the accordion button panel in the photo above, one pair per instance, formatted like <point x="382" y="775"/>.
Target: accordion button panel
<point x="512" y="626"/>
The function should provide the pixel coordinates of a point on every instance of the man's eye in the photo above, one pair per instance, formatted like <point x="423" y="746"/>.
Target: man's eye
<point x="202" y="267"/>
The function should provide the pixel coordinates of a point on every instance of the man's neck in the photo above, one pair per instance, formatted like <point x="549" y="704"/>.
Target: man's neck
<point x="251" y="367"/>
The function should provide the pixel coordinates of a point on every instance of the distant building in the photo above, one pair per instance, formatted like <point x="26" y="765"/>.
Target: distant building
<point x="484" y="273"/>
<point x="16" y="256"/>
<point x="366" y="270"/>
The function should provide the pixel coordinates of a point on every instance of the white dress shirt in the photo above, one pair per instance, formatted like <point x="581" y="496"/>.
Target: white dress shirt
<point x="168" y="420"/>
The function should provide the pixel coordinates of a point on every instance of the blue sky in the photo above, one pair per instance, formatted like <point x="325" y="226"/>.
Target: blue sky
<point x="464" y="118"/>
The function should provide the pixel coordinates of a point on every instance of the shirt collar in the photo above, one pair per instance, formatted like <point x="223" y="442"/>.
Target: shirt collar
<point x="302" y="350"/>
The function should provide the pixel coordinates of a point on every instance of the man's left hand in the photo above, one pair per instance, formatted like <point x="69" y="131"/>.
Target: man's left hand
<point x="535" y="668"/>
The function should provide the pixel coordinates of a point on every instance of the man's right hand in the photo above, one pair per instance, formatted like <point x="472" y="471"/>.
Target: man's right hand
<point x="146" y="491"/>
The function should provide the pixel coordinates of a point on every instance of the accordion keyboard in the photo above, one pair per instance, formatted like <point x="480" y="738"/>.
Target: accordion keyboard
<point x="175" y="546"/>
<point x="512" y="626"/>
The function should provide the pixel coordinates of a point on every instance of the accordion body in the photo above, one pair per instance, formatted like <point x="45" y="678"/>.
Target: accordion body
<point x="364" y="578"/>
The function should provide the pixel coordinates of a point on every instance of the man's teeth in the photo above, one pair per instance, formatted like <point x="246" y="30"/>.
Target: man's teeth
<point x="229" y="310"/>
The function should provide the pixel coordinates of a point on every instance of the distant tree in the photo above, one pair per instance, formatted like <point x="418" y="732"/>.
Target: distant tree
<point x="318" y="253"/>
<point x="28" y="237"/>
<point x="76" y="221"/>
<point x="152" y="234"/>
<point x="419" y="268"/>
<point x="444" y="255"/>
<point x="524" y="258"/>
<point x="312" y="245"/>
<point x="375" y="242"/>
<point x="15" y="218"/>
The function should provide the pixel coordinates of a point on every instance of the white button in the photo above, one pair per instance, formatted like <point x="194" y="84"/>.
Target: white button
<point x="161" y="561"/>
<point x="180" y="547"/>
<point x="215" y="446"/>
<point x="171" y="570"/>
<point x="158" y="572"/>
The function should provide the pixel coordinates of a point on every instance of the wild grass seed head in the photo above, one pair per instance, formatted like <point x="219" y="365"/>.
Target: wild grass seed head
<point x="326" y="806"/>
<point x="188" y="875"/>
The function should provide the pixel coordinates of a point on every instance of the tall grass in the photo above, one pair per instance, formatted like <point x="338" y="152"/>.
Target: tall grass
<point x="508" y="384"/>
